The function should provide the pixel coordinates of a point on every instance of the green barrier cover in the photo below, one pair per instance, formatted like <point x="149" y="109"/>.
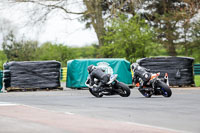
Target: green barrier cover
<point x="77" y="70"/>
<point x="197" y="69"/>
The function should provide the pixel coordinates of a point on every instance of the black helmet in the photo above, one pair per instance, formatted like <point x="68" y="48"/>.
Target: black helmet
<point x="91" y="68"/>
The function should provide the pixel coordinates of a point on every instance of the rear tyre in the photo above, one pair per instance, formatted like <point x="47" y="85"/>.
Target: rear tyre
<point x="166" y="91"/>
<point x="122" y="89"/>
<point x="96" y="94"/>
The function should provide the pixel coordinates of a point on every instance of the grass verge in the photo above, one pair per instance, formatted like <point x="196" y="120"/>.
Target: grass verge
<point x="197" y="80"/>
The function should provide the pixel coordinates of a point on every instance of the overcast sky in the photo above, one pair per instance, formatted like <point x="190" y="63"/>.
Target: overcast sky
<point x="56" y="30"/>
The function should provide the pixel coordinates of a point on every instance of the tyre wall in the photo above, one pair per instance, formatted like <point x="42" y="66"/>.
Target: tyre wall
<point x="32" y="74"/>
<point x="179" y="69"/>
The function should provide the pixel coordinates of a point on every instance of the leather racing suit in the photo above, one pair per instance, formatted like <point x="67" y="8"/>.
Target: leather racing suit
<point x="141" y="75"/>
<point x="99" y="74"/>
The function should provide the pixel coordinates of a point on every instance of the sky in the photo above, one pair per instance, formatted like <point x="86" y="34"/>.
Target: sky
<point x="56" y="29"/>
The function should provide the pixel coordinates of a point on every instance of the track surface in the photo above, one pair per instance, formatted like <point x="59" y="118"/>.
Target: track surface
<point x="77" y="111"/>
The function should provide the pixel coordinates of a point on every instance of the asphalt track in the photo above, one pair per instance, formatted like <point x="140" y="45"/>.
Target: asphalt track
<point x="77" y="111"/>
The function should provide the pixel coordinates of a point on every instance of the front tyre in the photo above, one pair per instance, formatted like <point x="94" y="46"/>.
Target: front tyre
<point x="96" y="94"/>
<point x="122" y="89"/>
<point x="146" y="94"/>
<point x="166" y="91"/>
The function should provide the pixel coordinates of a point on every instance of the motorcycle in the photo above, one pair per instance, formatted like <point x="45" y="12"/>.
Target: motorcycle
<point x="155" y="86"/>
<point x="113" y="87"/>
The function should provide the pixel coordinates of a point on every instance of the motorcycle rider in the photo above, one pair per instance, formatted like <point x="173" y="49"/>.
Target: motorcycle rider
<point x="141" y="75"/>
<point x="99" y="74"/>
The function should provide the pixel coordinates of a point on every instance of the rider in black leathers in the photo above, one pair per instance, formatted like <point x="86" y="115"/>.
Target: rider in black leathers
<point x="99" y="74"/>
<point x="141" y="75"/>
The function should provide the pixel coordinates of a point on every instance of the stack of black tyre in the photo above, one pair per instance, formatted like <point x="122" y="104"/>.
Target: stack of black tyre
<point x="179" y="69"/>
<point x="32" y="74"/>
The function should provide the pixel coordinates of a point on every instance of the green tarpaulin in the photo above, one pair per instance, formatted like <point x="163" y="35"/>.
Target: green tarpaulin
<point x="77" y="70"/>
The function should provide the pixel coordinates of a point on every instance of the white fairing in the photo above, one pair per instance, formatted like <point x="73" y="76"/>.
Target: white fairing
<point x="112" y="78"/>
<point x="88" y="85"/>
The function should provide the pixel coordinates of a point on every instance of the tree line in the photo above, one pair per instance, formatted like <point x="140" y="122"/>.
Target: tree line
<point x="130" y="29"/>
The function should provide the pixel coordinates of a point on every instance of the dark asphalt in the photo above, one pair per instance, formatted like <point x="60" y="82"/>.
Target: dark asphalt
<point x="179" y="112"/>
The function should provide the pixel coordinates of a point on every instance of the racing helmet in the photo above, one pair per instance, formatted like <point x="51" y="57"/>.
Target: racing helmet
<point x="91" y="68"/>
<point x="134" y="66"/>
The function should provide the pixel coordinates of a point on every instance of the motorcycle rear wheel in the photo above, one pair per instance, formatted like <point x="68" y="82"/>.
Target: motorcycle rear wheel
<point x="96" y="94"/>
<point x="166" y="91"/>
<point x="122" y="89"/>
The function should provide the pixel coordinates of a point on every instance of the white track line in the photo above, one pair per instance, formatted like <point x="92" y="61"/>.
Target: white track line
<point x="7" y="104"/>
<point x="162" y="128"/>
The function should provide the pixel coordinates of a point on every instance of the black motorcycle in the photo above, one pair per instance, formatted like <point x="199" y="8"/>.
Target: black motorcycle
<point x="155" y="86"/>
<point x="113" y="87"/>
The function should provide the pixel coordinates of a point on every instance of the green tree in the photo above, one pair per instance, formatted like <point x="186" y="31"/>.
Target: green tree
<point x="19" y="50"/>
<point x="195" y="47"/>
<point x="172" y="18"/>
<point x="58" y="52"/>
<point x="99" y="12"/>
<point x="3" y="59"/>
<point x="85" y="51"/>
<point x="191" y="47"/>
<point x="129" y="38"/>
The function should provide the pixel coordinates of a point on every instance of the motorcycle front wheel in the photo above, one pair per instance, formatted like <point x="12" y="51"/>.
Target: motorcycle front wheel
<point x="146" y="94"/>
<point x="122" y="89"/>
<point x="166" y="91"/>
<point x="96" y="94"/>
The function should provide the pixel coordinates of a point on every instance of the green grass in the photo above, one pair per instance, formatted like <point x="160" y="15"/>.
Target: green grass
<point x="197" y="80"/>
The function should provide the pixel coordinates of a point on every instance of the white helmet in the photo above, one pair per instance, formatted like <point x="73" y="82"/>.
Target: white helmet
<point x="134" y="66"/>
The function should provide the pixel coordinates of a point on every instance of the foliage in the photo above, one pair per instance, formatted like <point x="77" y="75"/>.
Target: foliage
<point x="19" y="50"/>
<point x="3" y="59"/>
<point x="85" y="52"/>
<point x="192" y="48"/>
<point x="197" y="80"/>
<point x="58" y="52"/>
<point x="98" y="12"/>
<point x="129" y="38"/>
<point x="195" y="45"/>
<point x="173" y="22"/>
<point x="14" y="50"/>
<point x="29" y="51"/>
